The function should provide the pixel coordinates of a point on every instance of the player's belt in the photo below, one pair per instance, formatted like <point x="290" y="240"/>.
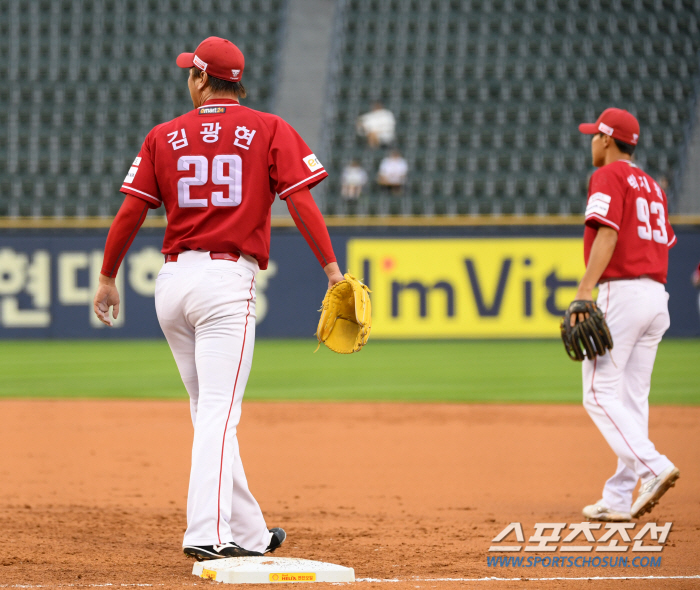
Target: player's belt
<point x="625" y="278"/>
<point x="213" y="255"/>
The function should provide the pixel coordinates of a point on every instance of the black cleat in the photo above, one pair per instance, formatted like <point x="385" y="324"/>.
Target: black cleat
<point x="278" y="537"/>
<point x="207" y="552"/>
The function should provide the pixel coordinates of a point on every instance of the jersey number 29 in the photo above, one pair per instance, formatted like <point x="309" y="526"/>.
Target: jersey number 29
<point x="233" y="180"/>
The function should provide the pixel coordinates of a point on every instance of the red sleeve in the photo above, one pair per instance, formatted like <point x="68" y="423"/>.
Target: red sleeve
<point x="310" y="222"/>
<point x="122" y="232"/>
<point x="671" y="235"/>
<point x="141" y="181"/>
<point x="605" y="199"/>
<point x="669" y="230"/>
<point x="292" y="164"/>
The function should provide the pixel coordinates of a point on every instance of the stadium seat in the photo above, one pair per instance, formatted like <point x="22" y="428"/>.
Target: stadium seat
<point x="95" y="78"/>
<point x="489" y="85"/>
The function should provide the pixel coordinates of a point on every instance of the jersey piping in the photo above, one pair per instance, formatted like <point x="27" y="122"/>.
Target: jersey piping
<point x="226" y="104"/>
<point x="604" y="221"/>
<point x="303" y="181"/>
<point x="141" y="193"/>
<point x="595" y="397"/>
<point x="233" y="396"/>
<point x="309" y="233"/>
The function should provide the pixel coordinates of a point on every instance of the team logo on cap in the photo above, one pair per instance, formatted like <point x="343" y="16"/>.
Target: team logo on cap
<point x="605" y="128"/>
<point x="236" y="73"/>
<point x="202" y="65"/>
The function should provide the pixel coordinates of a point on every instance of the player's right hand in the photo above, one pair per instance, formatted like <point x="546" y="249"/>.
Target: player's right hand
<point x="107" y="296"/>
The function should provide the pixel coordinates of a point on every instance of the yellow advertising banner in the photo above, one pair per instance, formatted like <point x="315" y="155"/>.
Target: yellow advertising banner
<point x="474" y="288"/>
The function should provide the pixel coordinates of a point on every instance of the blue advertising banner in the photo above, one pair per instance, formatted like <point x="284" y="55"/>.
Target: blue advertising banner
<point x="47" y="285"/>
<point x="48" y="279"/>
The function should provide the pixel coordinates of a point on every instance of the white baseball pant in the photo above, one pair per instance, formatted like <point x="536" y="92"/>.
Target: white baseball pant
<point x="206" y="309"/>
<point x="616" y="386"/>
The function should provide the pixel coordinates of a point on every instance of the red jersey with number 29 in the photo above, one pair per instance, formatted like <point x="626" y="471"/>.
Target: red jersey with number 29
<point x="217" y="170"/>
<point x="627" y="199"/>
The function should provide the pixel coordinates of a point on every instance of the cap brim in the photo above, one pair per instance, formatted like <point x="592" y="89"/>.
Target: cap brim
<point x="185" y="60"/>
<point x="587" y="128"/>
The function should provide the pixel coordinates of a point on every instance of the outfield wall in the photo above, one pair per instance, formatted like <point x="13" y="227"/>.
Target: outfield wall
<point x="427" y="282"/>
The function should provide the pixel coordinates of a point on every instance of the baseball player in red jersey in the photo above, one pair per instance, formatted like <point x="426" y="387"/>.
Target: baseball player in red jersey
<point x="216" y="170"/>
<point x="626" y="241"/>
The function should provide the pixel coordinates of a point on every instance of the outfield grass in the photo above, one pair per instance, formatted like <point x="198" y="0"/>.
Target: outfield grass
<point x="446" y="371"/>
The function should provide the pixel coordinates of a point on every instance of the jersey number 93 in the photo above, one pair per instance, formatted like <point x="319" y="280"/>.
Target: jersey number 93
<point x="644" y="212"/>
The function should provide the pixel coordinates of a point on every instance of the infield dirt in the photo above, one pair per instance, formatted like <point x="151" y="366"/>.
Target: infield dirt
<point x="93" y="492"/>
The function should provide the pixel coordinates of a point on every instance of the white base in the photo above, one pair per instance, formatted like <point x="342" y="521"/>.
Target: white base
<point x="271" y="570"/>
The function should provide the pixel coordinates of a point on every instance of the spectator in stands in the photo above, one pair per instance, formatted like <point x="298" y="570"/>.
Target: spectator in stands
<point x="392" y="173"/>
<point x="378" y="126"/>
<point x="353" y="179"/>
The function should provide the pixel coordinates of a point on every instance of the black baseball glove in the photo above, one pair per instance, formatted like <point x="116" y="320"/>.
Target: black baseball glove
<point x="589" y="337"/>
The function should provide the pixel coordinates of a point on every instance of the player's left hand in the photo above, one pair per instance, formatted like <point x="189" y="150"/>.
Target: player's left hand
<point x="581" y="295"/>
<point x="333" y="273"/>
<point x="588" y="337"/>
<point x="346" y="316"/>
<point x="107" y="296"/>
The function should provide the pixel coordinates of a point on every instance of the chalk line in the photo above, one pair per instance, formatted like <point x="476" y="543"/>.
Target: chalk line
<point x="379" y="580"/>
<point x="521" y="579"/>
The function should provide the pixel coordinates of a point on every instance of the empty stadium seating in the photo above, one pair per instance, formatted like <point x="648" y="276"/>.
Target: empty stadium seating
<point x="84" y="81"/>
<point x="488" y="95"/>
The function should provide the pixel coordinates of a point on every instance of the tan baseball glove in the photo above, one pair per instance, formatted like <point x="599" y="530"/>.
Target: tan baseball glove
<point x="346" y="316"/>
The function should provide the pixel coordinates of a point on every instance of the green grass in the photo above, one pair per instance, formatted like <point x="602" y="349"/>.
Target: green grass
<point x="445" y="371"/>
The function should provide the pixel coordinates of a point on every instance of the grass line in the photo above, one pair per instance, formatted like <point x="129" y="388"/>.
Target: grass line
<point x="445" y="371"/>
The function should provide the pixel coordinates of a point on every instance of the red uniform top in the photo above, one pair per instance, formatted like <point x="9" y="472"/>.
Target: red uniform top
<point x="625" y="198"/>
<point x="217" y="170"/>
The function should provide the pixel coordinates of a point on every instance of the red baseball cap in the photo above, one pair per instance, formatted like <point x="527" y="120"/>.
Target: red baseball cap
<point x="217" y="57"/>
<point x="617" y="123"/>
